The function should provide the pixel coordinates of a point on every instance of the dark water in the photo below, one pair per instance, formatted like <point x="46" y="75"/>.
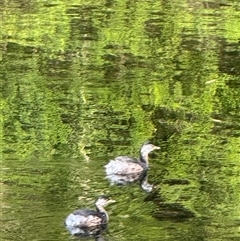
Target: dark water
<point x="83" y="82"/>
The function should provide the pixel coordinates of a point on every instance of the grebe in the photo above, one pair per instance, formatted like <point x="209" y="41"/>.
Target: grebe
<point x="124" y="169"/>
<point x="85" y="222"/>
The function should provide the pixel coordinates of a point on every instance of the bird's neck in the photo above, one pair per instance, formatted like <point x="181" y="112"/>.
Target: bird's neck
<point x="144" y="158"/>
<point x="102" y="210"/>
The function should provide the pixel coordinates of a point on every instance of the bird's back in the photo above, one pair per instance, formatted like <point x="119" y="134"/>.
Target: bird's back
<point x="124" y="165"/>
<point x="84" y="218"/>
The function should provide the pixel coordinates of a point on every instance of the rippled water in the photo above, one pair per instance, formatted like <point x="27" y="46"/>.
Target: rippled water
<point x="83" y="82"/>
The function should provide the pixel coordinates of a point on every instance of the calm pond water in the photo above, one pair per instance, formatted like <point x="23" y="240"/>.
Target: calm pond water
<point x="85" y="81"/>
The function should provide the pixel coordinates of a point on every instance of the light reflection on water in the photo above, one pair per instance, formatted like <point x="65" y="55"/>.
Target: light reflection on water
<point x="66" y="114"/>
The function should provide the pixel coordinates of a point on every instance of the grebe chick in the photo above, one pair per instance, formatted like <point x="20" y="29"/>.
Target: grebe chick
<point x="124" y="165"/>
<point x="85" y="222"/>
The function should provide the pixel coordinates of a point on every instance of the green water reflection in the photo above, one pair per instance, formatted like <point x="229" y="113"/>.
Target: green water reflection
<point x="83" y="82"/>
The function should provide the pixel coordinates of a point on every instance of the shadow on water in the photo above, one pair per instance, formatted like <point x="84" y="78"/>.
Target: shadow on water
<point x="169" y="211"/>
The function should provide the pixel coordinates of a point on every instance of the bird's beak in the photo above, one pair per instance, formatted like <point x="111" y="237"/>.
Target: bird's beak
<point x="110" y="201"/>
<point x="157" y="147"/>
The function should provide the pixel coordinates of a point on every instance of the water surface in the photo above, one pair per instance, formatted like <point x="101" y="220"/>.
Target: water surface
<point x="83" y="82"/>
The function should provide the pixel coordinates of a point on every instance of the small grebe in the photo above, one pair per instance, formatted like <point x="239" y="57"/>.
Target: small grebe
<point x="124" y="169"/>
<point x="85" y="222"/>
